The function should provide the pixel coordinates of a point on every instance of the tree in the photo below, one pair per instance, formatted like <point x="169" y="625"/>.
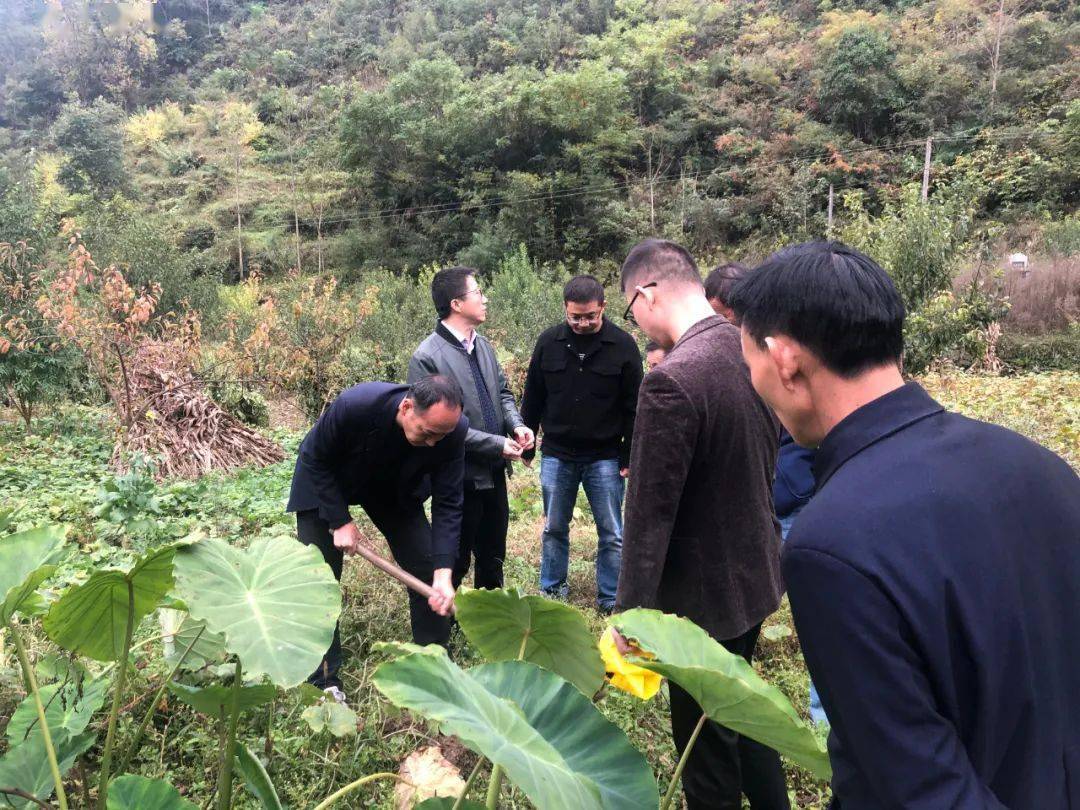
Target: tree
<point x="34" y="369"/>
<point x="92" y="140"/>
<point x="858" y="86"/>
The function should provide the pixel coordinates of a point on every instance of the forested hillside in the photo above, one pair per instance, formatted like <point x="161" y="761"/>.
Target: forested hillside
<point x="214" y="137"/>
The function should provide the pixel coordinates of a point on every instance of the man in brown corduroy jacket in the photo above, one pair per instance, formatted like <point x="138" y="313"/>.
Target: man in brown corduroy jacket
<point x="700" y="536"/>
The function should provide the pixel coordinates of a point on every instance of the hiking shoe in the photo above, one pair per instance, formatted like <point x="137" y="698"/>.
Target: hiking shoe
<point x="336" y="694"/>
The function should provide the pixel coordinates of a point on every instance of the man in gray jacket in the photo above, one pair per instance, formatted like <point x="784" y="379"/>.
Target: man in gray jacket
<point x="456" y="350"/>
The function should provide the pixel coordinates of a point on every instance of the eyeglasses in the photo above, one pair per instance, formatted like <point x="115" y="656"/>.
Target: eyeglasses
<point x="628" y="316"/>
<point x="588" y="317"/>
<point x="467" y="293"/>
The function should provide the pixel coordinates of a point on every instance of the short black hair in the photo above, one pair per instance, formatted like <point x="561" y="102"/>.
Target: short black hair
<point x="720" y="282"/>
<point x="583" y="290"/>
<point x="652" y="346"/>
<point x="433" y="389"/>
<point x="449" y="284"/>
<point x="833" y="299"/>
<point x="661" y="260"/>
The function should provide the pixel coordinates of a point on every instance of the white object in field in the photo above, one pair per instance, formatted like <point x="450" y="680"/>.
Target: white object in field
<point x="1018" y="261"/>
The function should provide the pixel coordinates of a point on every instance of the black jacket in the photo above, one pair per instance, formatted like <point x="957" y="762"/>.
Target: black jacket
<point x="933" y="580"/>
<point x="586" y="407"/>
<point x="356" y="454"/>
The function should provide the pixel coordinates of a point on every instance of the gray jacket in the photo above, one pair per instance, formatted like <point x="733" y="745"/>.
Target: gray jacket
<point x="441" y="353"/>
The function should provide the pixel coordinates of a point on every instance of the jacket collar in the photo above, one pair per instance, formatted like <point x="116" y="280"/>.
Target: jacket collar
<point x="869" y="424"/>
<point x="451" y="338"/>
<point x="705" y="324"/>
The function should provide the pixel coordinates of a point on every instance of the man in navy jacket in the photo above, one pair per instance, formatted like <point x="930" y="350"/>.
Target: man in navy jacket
<point x="386" y="448"/>
<point x="933" y="576"/>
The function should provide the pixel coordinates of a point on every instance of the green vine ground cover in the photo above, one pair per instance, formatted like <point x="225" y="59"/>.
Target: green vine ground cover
<point x="60" y="473"/>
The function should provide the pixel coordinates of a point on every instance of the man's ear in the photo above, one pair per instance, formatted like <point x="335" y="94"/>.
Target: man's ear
<point x="785" y="355"/>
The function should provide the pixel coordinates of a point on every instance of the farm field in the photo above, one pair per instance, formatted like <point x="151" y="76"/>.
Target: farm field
<point x="60" y="473"/>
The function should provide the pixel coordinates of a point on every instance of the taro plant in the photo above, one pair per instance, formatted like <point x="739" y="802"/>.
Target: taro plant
<point x="272" y="607"/>
<point x="531" y="715"/>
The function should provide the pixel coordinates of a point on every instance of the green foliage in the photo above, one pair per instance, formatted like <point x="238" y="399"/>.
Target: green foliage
<point x="723" y="684"/>
<point x="1032" y="353"/>
<point x="129" y="500"/>
<point x="275" y="603"/>
<point x="214" y="700"/>
<point x="91" y="618"/>
<point x="27" y="559"/>
<point x="918" y="243"/>
<point x="257" y="779"/>
<point x="26" y="767"/>
<point x="330" y="715"/>
<point x="144" y="248"/>
<point x="859" y="86"/>
<point x="246" y="404"/>
<point x="503" y="625"/>
<point x="69" y="705"/>
<point x="131" y="792"/>
<point x="552" y="742"/>
<point x="91" y="137"/>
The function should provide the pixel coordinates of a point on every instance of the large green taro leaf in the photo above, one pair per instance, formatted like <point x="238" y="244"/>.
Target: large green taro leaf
<point x="26" y="765"/>
<point x="91" y="618"/>
<point x="131" y="792"/>
<point x="553" y="743"/>
<point x="215" y="700"/>
<point x="726" y="687"/>
<point x="555" y="636"/>
<point x="26" y="560"/>
<point x="276" y="603"/>
<point x="68" y="707"/>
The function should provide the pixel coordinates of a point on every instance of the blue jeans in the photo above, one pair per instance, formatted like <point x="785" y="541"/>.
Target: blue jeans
<point x="817" y="711"/>
<point x="604" y="487"/>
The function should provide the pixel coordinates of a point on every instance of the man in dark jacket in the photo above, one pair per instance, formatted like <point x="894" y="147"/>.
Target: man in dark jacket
<point x="933" y="575"/>
<point x="582" y="389"/>
<point x="794" y="481"/>
<point x="701" y="539"/>
<point x="386" y="448"/>
<point x="456" y="350"/>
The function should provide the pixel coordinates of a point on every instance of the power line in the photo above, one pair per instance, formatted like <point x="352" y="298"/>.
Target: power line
<point x="375" y="214"/>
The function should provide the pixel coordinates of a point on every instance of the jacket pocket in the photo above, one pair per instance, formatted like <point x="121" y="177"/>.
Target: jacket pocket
<point x="604" y="381"/>
<point x="554" y="369"/>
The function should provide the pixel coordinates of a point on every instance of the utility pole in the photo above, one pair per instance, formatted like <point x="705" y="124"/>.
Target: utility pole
<point x="926" y="169"/>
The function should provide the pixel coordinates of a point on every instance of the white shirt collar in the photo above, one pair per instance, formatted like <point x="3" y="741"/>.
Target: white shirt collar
<point x="466" y="342"/>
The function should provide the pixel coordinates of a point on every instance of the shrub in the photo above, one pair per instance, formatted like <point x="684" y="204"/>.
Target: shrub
<point x="1053" y="352"/>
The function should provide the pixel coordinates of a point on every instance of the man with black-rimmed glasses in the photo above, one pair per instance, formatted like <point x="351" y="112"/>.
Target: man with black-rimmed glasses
<point x="581" y="390"/>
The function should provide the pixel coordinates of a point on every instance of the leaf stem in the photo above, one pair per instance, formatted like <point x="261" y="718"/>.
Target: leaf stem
<point x="675" y="777"/>
<point x="493" y="787"/>
<point x="134" y="746"/>
<point x="46" y="735"/>
<point x="468" y="784"/>
<point x="349" y="788"/>
<point x="118" y="694"/>
<point x="225" y="775"/>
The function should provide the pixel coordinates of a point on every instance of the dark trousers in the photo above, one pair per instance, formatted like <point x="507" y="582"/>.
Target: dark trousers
<point x="408" y="534"/>
<point x="724" y="765"/>
<point x="485" y="518"/>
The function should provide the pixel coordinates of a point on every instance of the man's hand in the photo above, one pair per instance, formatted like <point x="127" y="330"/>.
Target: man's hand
<point x="348" y="538"/>
<point x="624" y="647"/>
<point x="625" y="472"/>
<point x="525" y="437"/>
<point x="512" y="450"/>
<point x="443" y="599"/>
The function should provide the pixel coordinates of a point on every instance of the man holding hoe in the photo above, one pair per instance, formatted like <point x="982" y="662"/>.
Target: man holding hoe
<point x="386" y="448"/>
